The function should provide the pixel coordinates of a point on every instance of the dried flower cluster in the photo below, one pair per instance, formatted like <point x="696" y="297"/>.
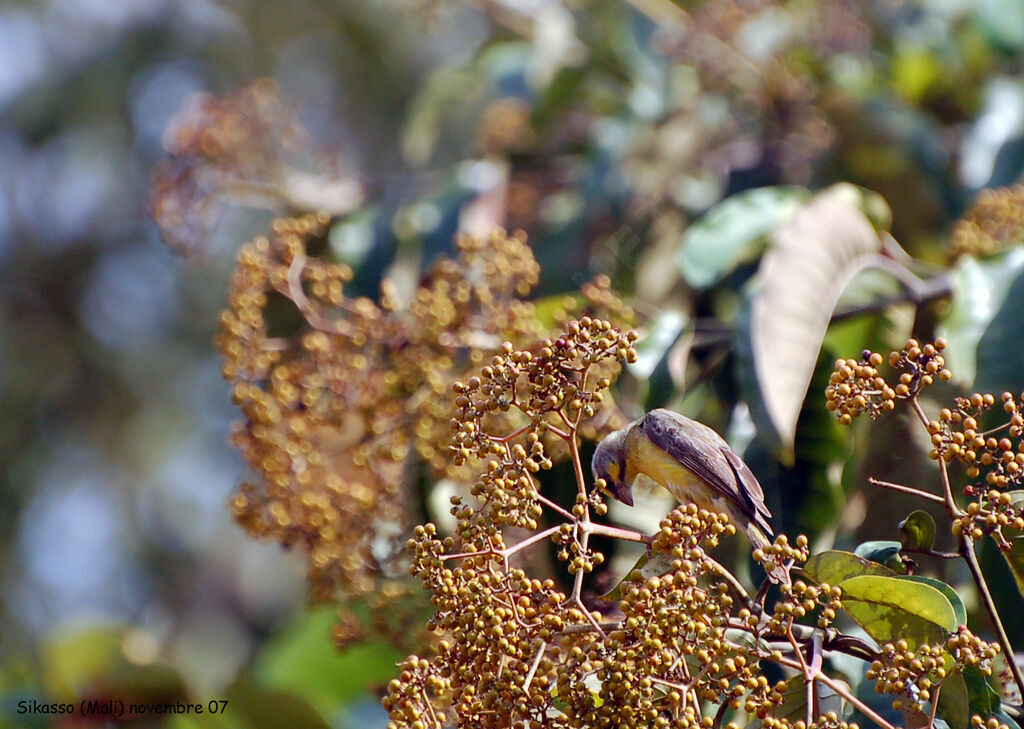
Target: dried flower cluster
<point x="915" y="674"/>
<point x="248" y="149"/>
<point x="235" y="145"/>
<point x="856" y="387"/>
<point x="994" y="223"/>
<point x="339" y="394"/>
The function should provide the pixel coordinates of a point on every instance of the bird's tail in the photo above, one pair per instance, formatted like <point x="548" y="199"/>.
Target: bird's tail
<point x="776" y="573"/>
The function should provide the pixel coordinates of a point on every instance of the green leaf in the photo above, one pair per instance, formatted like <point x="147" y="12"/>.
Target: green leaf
<point x="304" y="661"/>
<point x="959" y="610"/>
<point x="745" y="639"/>
<point x="1015" y="556"/>
<point x="812" y="258"/>
<point x="979" y="692"/>
<point x="661" y="358"/>
<point x="980" y="290"/>
<point x="272" y="709"/>
<point x="878" y="551"/>
<point x="734" y="232"/>
<point x="917" y="531"/>
<point x="1005" y="718"/>
<point x="805" y="492"/>
<point x="892" y="608"/>
<point x="835" y="566"/>
<point x="954" y="701"/>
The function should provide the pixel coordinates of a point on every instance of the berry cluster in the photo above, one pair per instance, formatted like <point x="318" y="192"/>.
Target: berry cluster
<point x="993" y="223"/>
<point x="801" y="600"/>
<point x="989" y="516"/>
<point x="781" y="554"/>
<point x="856" y="386"/>
<point x="914" y="675"/>
<point x="514" y="650"/>
<point x="523" y="409"/>
<point x="979" y="722"/>
<point x="828" y="720"/>
<point x="957" y="435"/>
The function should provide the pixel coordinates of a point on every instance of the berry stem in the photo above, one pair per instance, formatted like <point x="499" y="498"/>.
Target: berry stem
<point x="533" y="666"/>
<point x="735" y="584"/>
<point x="907" y="490"/>
<point x="840" y="689"/>
<point x="626" y="535"/>
<point x="555" y="507"/>
<point x="809" y="675"/>
<point x="951" y="507"/>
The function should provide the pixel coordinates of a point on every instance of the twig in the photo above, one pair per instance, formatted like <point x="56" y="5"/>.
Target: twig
<point x="589" y="617"/>
<point x="816" y="660"/>
<point x="533" y="666"/>
<point x="585" y="628"/>
<point x="947" y="488"/>
<point x="626" y="535"/>
<point x="293" y="290"/>
<point x="508" y="551"/>
<point x="831" y="640"/>
<point x="561" y="511"/>
<point x="728" y="576"/>
<point x="514" y="434"/>
<point x="932" y="553"/>
<point x="967" y="552"/>
<point x="935" y="702"/>
<point x="841" y="690"/>
<point x="811" y="671"/>
<point x="907" y="490"/>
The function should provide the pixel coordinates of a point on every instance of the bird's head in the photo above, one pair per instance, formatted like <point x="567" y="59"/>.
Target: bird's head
<point x="609" y="463"/>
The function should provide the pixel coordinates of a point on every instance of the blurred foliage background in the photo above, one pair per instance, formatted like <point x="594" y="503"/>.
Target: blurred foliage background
<point x="605" y="130"/>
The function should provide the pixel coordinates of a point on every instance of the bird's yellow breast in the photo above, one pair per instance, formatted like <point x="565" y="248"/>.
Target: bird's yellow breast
<point x="643" y="458"/>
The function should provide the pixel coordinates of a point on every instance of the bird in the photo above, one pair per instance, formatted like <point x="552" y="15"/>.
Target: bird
<point x="695" y="465"/>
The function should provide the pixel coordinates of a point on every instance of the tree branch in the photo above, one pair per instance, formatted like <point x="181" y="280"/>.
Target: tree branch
<point x="967" y="552"/>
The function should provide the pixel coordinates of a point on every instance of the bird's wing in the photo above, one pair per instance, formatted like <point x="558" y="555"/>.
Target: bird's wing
<point x="711" y="459"/>
<point x="751" y="490"/>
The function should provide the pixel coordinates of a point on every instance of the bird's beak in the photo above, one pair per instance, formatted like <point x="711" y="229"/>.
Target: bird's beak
<point x="621" y="491"/>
